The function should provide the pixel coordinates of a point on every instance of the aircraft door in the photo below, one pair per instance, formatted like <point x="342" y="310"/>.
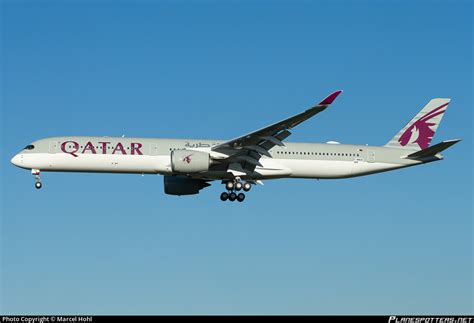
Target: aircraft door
<point x="371" y="156"/>
<point x="153" y="149"/>
<point x="54" y="147"/>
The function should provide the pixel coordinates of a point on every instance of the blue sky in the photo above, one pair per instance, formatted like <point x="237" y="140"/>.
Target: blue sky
<point x="399" y="242"/>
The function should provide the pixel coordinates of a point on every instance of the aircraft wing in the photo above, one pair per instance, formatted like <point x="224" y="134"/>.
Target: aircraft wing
<point x="249" y="148"/>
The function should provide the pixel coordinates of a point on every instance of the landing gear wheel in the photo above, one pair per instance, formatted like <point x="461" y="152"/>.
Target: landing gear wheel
<point x="232" y="197"/>
<point x="247" y="187"/>
<point x="238" y="186"/>
<point x="38" y="185"/>
<point x="241" y="197"/>
<point x="224" y="196"/>
<point x="229" y="186"/>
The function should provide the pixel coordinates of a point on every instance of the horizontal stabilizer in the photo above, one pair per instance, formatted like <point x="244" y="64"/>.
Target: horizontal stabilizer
<point x="433" y="150"/>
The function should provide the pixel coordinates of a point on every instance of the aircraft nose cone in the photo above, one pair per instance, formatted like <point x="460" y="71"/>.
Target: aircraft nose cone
<point x="16" y="160"/>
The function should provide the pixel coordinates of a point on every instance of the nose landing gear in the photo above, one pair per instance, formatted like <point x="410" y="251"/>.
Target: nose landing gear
<point x="234" y="186"/>
<point x="36" y="173"/>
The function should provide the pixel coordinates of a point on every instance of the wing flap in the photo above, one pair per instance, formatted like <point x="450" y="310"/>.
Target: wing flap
<point x="259" y="149"/>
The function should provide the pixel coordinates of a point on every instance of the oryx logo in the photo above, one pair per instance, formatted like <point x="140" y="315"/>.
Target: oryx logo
<point x="420" y="131"/>
<point x="187" y="159"/>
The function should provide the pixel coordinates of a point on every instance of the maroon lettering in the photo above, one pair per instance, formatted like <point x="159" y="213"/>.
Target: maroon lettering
<point x="135" y="146"/>
<point x="119" y="147"/>
<point x="72" y="147"/>
<point x="75" y="148"/>
<point x="104" y="146"/>
<point x="89" y="146"/>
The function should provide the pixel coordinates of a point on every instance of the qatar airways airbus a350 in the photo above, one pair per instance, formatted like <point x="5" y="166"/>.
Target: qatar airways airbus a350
<point x="188" y="165"/>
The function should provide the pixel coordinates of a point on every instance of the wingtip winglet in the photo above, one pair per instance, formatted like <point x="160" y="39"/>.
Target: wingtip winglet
<point x="330" y="98"/>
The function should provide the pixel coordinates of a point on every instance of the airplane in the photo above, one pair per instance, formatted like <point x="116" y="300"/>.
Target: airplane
<point x="189" y="165"/>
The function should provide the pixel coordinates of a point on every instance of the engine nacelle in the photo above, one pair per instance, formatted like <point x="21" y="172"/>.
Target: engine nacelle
<point x="179" y="185"/>
<point x="189" y="161"/>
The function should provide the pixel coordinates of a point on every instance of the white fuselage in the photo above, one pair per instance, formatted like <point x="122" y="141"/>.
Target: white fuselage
<point x="152" y="156"/>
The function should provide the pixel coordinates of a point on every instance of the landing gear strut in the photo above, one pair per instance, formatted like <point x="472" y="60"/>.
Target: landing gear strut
<point x="36" y="173"/>
<point x="234" y="186"/>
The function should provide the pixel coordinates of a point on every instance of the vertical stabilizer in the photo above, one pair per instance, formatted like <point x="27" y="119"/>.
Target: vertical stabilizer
<point x="417" y="133"/>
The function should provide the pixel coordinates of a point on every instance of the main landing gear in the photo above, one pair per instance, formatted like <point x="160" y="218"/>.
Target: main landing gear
<point x="36" y="173"/>
<point x="234" y="186"/>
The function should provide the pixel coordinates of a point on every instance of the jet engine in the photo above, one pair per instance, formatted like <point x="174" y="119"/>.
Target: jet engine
<point x="180" y="185"/>
<point x="189" y="161"/>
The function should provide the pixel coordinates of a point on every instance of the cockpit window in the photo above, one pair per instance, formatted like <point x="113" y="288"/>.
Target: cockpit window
<point x="30" y="147"/>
